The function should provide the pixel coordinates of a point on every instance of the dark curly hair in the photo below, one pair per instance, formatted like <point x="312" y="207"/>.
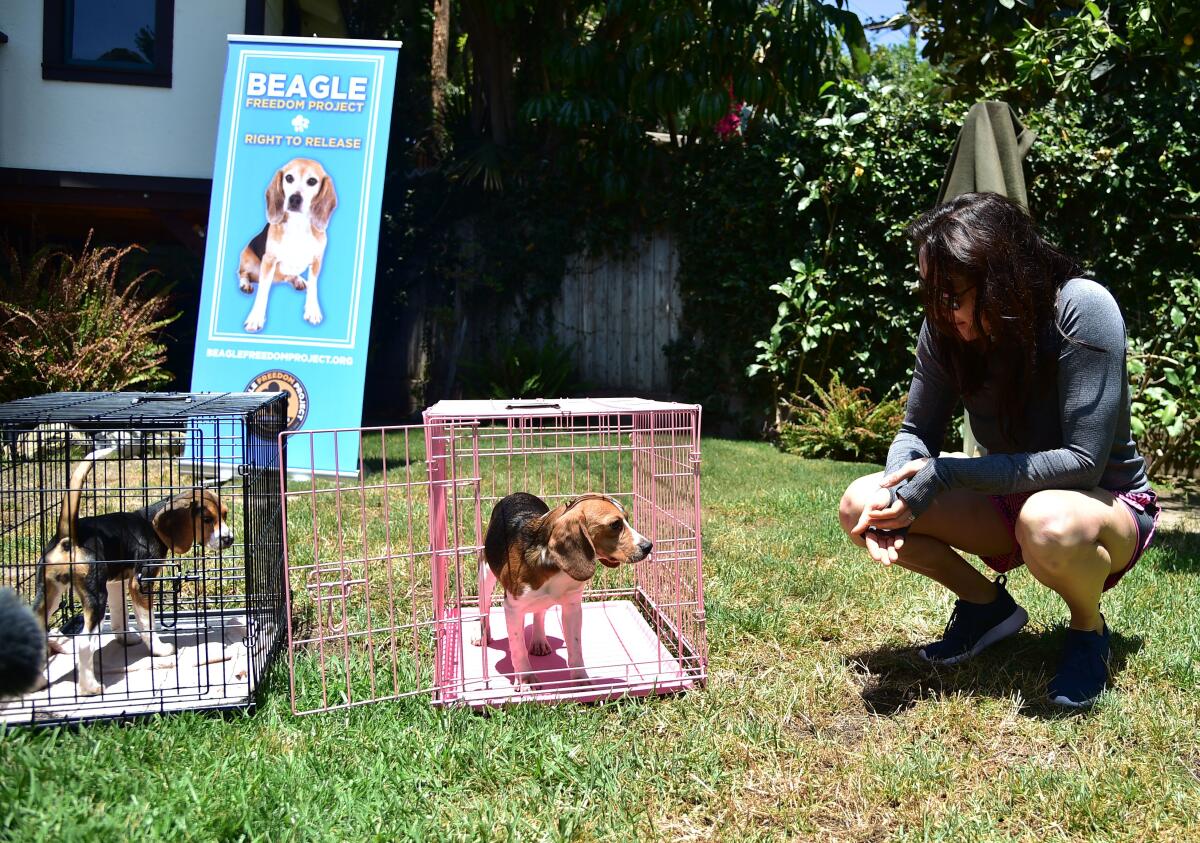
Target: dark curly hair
<point x="986" y="240"/>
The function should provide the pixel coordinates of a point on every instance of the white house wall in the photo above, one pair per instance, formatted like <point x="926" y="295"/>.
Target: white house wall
<point x="122" y="129"/>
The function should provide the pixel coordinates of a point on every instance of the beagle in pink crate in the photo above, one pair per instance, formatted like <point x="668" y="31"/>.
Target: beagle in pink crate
<point x="544" y="557"/>
<point x="300" y="201"/>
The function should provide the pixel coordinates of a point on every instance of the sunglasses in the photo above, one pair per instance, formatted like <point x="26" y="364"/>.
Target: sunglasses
<point x="954" y="300"/>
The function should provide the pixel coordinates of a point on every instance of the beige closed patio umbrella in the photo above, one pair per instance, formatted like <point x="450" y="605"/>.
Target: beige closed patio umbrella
<point x="987" y="156"/>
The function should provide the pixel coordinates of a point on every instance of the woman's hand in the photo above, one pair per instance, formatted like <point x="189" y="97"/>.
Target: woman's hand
<point x="884" y="547"/>
<point x="884" y="513"/>
<point x="904" y="472"/>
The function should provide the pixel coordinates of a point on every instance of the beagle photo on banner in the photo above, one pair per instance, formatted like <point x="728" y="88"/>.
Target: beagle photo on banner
<point x="291" y="246"/>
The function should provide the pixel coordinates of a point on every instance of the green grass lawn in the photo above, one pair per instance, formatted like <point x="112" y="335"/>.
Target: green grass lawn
<point x="819" y="722"/>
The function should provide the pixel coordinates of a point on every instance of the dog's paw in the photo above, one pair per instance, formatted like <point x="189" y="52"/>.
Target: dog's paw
<point x="161" y="648"/>
<point x="522" y="675"/>
<point x="540" y="647"/>
<point x="245" y="286"/>
<point x="89" y="687"/>
<point x="578" y="674"/>
<point x="254" y="323"/>
<point x="484" y="636"/>
<point x="312" y="314"/>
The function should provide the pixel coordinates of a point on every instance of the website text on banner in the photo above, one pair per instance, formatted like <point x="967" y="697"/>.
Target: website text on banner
<point x="289" y="267"/>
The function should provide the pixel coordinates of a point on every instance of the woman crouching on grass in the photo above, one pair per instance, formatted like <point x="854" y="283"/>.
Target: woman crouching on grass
<point x="1037" y="356"/>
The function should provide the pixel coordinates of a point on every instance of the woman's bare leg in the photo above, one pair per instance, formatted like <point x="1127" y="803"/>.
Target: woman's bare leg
<point x="1071" y="542"/>
<point x="957" y="519"/>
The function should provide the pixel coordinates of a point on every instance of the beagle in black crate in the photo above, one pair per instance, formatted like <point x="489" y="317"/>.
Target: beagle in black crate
<point x="300" y="201"/>
<point x="543" y="557"/>
<point x="102" y="557"/>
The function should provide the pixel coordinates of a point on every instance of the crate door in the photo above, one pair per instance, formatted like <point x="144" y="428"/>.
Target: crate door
<point x="371" y="585"/>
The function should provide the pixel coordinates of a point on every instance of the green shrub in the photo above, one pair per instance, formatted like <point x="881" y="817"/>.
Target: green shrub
<point x="793" y="260"/>
<point x="1163" y="370"/>
<point x="1112" y="178"/>
<point x="840" y="423"/>
<point x="69" y="323"/>
<point x="519" y="369"/>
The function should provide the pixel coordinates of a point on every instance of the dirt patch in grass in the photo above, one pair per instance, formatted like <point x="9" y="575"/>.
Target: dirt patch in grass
<point x="1179" y="501"/>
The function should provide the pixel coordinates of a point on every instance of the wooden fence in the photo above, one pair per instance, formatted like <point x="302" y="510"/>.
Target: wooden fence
<point x="618" y="314"/>
<point x="615" y="313"/>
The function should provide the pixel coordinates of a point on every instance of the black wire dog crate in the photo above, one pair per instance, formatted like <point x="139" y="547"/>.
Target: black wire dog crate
<point x="163" y="506"/>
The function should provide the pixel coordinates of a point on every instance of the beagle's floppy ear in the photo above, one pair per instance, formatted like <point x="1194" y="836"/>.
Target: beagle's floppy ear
<point x="275" y="199"/>
<point x="571" y="549"/>
<point x="176" y="523"/>
<point x="324" y="203"/>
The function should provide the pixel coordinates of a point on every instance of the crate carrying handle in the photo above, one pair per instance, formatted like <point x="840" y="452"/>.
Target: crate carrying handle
<point x="164" y="397"/>
<point x="535" y="405"/>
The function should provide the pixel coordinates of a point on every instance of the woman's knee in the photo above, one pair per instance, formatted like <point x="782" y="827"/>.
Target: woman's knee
<point x="1049" y="529"/>
<point x="855" y="499"/>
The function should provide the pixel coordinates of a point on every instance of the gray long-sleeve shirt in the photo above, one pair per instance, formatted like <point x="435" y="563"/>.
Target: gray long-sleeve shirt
<point x="1076" y="438"/>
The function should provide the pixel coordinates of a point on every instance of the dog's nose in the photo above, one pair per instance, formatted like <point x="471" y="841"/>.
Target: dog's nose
<point x="294" y="202"/>
<point x="227" y="540"/>
<point x="645" y="547"/>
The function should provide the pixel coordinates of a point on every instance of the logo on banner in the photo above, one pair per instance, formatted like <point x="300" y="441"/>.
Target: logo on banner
<point x="278" y="380"/>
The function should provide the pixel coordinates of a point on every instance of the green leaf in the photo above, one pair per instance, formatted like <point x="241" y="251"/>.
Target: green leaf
<point x="1168" y="413"/>
<point x="853" y="35"/>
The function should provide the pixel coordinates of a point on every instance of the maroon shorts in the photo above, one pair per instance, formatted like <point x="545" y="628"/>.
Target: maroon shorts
<point x="1142" y="505"/>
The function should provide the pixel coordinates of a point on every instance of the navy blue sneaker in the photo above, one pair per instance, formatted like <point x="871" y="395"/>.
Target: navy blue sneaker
<point x="973" y="627"/>
<point x="1083" y="671"/>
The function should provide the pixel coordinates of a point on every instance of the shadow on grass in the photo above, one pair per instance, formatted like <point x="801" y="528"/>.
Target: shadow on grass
<point x="895" y="678"/>
<point x="1178" y="551"/>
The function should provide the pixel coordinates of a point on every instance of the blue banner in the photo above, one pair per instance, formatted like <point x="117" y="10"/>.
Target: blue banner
<point x="293" y="227"/>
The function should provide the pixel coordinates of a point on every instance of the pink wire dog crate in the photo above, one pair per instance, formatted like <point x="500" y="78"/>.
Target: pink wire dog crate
<point x="384" y="569"/>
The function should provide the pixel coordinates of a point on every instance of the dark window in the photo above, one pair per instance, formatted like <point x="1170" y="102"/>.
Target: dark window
<point x="114" y="41"/>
